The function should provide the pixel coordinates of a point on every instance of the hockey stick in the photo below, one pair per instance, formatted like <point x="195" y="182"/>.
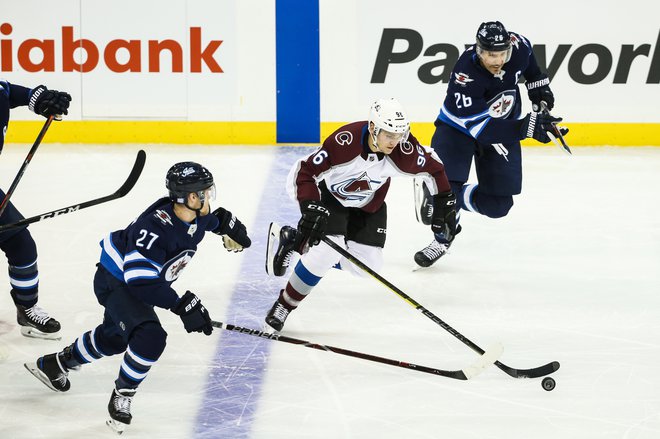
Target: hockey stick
<point x="536" y="372"/>
<point x="556" y="132"/>
<point x="25" y="164"/>
<point x="469" y="372"/>
<point x="123" y="190"/>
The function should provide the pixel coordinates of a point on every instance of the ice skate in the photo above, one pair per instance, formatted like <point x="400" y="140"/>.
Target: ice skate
<point x="431" y="253"/>
<point x="279" y="249"/>
<point x="119" y="408"/>
<point x="36" y="323"/>
<point x="276" y="317"/>
<point x="50" y="371"/>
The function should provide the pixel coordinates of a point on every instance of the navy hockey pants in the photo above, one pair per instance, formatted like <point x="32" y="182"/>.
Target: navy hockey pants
<point x="499" y="173"/>
<point x="129" y="325"/>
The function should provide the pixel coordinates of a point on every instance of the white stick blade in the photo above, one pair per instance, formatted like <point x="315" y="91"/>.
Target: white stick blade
<point x="492" y="354"/>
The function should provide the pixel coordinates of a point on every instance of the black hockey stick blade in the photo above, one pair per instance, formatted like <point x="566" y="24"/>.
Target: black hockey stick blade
<point x="467" y="373"/>
<point x="556" y="135"/>
<point x="26" y="162"/>
<point x="122" y="191"/>
<point x="536" y="372"/>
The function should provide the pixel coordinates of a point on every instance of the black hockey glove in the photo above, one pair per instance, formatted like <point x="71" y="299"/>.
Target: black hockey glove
<point x="312" y="222"/>
<point x="539" y="90"/>
<point x="193" y="314"/>
<point x="234" y="230"/>
<point x="537" y="125"/>
<point x="444" y="215"/>
<point x="49" y="102"/>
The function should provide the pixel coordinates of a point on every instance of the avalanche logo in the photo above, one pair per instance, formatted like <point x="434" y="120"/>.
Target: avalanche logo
<point x="355" y="189"/>
<point x="344" y="138"/>
<point x="174" y="266"/>
<point x="407" y="148"/>
<point x="502" y="104"/>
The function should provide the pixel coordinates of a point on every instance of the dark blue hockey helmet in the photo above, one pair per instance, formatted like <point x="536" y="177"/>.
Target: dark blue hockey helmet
<point x="188" y="177"/>
<point x="493" y="37"/>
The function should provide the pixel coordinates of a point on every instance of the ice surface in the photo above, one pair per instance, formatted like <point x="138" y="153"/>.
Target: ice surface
<point x="571" y="274"/>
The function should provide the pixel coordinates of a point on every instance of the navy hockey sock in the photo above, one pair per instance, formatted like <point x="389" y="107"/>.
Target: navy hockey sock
<point x="24" y="280"/>
<point x="21" y="252"/>
<point x="82" y="351"/>
<point x="144" y="349"/>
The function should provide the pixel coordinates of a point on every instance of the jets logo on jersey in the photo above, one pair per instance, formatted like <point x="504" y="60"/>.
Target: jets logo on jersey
<point x="502" y="104"/>
<point x="514" y="40"/>
<point x="462" y="79"/>
<point x="164" y="217"/>
<point x="174" y="267"/>
<point x="359" y="188"/>
<point x="344" y="138"/>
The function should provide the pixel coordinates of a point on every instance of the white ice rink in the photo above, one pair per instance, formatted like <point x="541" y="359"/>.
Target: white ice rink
<point x="571" y="274"/>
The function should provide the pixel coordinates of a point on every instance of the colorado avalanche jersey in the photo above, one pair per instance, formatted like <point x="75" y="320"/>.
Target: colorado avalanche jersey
<point x="486" y="106"/>
<point x="358" y="177"/>
<point x="11" y="96"/>
<point x="151" y="252"/>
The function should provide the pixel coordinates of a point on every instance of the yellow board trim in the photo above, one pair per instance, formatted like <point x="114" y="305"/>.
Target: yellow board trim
<point x="265" y="133"/>
<point x="581" y="134"/>
<point x="174" y="132"/>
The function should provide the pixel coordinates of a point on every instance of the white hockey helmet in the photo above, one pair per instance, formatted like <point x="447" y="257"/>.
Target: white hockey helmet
<point x="388" y="114"/>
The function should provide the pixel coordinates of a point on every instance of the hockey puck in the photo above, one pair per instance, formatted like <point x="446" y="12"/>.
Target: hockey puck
<point x="548" y="384"/>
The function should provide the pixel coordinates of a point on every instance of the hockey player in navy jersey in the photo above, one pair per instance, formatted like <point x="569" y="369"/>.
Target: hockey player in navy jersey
<point x="341" y="191"/>
<point x="17" y="244"/>
<point x="480" y="119"/>
<point x="136" y="270"/>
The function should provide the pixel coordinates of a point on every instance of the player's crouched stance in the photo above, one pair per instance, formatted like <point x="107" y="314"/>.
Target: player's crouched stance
<point x="341" y="190"/>
<point x="137" y="267"/>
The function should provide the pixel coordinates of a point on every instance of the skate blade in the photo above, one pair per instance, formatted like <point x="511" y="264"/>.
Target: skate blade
<point x="34" y="370"/>
<point x="271" y="247"/>
<point x="269" y="329"/>
<point x="116" y="426"/>
<point x="29" y="331"/>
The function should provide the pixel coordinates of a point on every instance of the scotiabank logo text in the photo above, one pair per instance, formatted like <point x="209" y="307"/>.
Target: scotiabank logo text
<point x="439" y="59"/>
<point x="33" y="55"/>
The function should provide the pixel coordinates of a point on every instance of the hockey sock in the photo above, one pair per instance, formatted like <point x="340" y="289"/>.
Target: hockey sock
<point x="82" y="351"/>
<point x="300" y="284"/>
<point x="21" y="252"/>
<point x="24" y="280"/>
<point x="144" y="349"/>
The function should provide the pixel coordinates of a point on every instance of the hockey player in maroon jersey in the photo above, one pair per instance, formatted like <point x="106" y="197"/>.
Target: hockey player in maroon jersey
<point x="341" y="190"/>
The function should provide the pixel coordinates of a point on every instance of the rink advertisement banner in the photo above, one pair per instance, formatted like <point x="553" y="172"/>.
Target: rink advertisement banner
<point x="207" y="71"/>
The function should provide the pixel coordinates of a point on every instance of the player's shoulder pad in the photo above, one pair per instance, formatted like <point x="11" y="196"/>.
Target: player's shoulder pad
<point x="4" y="87"/>
<point x="518" y="41"/>
<point x="465" y="72"/>
<point x="346" y="135"/>
<point x="162" y="218"/>
<point x="345" y="143"/>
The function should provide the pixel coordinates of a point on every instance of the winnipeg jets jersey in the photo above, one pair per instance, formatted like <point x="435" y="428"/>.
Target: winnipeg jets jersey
<point x="358" y="177"/>
<point x="151" y="252"/>
<point x="484" y="106"/>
